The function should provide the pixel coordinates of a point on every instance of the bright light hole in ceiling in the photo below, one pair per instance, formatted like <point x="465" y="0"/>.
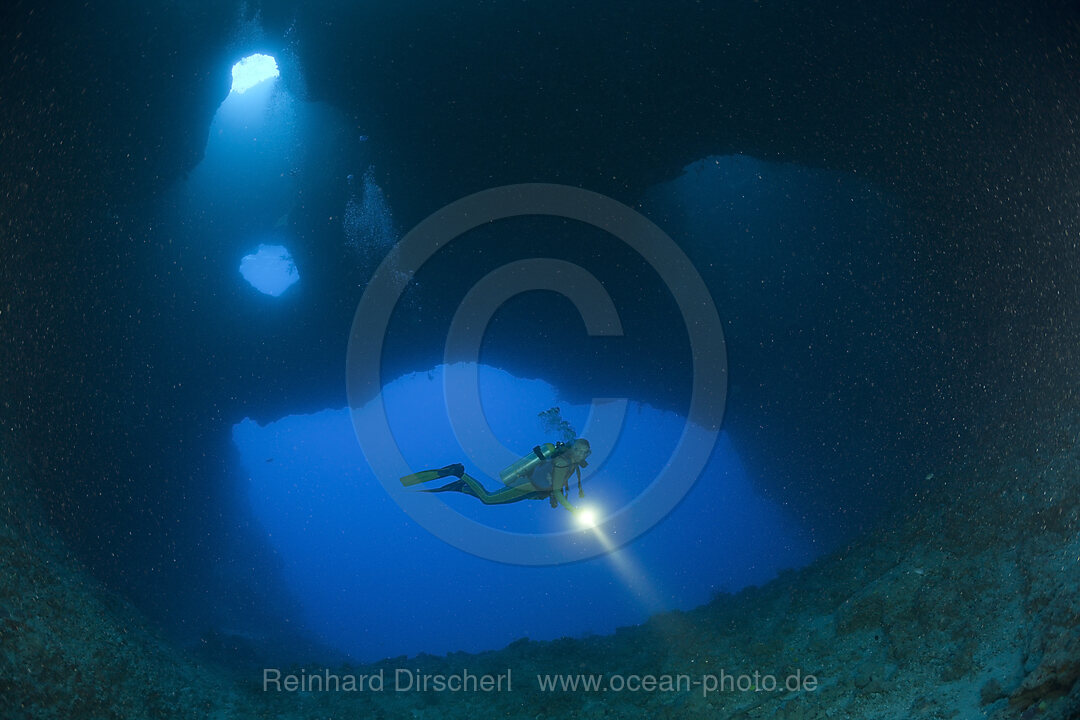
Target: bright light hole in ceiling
<point x="270" y="269"/>
<point x="253" y="70"/>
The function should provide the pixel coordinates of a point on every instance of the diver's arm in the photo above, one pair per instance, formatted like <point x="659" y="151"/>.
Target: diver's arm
<point x="560" y="473"/>
<point x="557" y="493"/>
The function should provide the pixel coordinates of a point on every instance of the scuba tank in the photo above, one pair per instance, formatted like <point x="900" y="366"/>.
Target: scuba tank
<point x="523" y="467"/>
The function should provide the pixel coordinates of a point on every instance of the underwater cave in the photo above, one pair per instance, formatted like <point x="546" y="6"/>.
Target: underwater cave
<point x="540" y="360"/>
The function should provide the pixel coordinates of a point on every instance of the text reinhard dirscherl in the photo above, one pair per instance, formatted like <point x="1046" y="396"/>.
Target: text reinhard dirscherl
<point x="464" y="680"/>
<point x="401" y="680"/>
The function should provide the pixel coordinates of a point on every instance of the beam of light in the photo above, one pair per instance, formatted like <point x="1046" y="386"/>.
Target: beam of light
<point x="253" y="70"/>
<point x="626" y="567"/>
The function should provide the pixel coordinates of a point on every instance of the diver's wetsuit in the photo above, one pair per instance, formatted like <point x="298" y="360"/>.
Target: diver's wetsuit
<point x="537" y="486"/>
<point x="471" y="486"/>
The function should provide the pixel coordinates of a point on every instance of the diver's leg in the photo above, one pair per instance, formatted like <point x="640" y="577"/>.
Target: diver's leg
<point x="499" y="497"/>
<point x="471" y="486"/>
<point x="456" y="486"/>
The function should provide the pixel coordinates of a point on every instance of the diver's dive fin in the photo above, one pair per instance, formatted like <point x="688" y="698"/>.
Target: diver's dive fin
<point x="457" y="470"/>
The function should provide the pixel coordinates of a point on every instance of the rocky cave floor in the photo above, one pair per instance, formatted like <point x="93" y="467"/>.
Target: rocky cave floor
<point x="968" y="608"/>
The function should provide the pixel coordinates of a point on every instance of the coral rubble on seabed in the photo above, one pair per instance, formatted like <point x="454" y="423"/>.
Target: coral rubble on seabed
<point x="969" y="610"/>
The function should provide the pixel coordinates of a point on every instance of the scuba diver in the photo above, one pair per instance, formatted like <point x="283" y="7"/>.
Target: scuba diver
<point x="543" y="473"/>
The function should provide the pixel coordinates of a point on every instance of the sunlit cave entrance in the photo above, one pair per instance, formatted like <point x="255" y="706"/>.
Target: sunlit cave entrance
<point x="277" y="168"/>
<point x="375" y="584"/>
<point x="237" y="204"/>
<point x="253" y="70"/>
<point x="270" y="269"/>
